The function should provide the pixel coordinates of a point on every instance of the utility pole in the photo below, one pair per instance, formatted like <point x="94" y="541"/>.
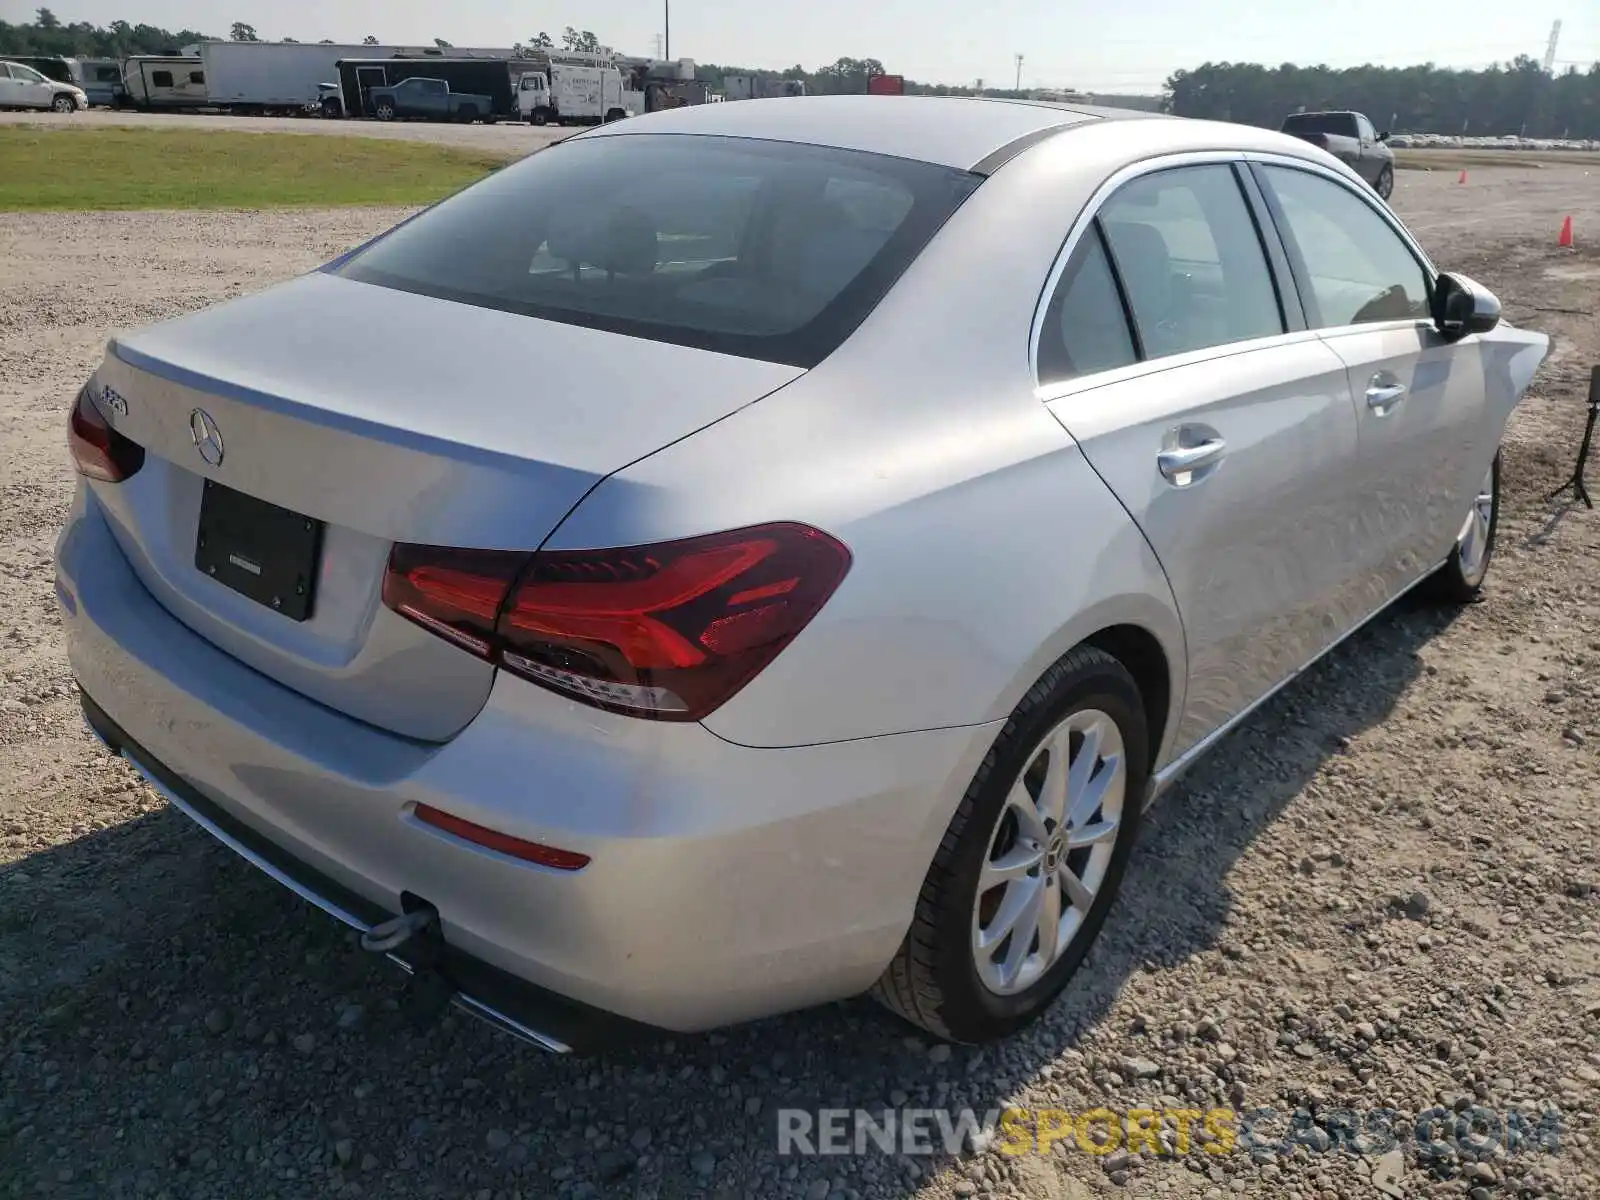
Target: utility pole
<point x="1019" y="73"/>
<point x="666" y="8"/>
<point x="660" y="52"/>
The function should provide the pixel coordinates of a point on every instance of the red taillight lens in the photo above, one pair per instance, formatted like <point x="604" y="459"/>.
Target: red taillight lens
<point x="454" y="593"/>
<point x="668" y="631"/>
<point x="534" y="852"/>
<point x="98" y="450"/>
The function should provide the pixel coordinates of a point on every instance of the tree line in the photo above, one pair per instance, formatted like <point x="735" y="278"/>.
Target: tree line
<point x="1518" y="97"/>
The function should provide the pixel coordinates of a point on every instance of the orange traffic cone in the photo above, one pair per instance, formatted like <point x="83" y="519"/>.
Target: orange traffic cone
<point x="1566" y="233"/>
<point x="1462" y="178"/>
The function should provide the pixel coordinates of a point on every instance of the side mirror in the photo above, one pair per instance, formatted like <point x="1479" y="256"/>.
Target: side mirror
<point x="1462" y="307"/>
<point x="1384" y="136"/>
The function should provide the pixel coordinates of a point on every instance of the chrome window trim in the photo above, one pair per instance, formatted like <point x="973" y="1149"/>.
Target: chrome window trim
<point x="1191" y="158"/>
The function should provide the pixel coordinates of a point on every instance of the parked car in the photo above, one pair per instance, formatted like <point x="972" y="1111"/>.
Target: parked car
<point x="428" y="100"/>
<point x="1350" y="137"/>
<point x="24" y="87"/>
<point x="914" y="489"/>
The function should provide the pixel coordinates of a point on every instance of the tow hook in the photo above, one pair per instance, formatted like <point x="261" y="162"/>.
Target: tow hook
<point x="396" y="931"/>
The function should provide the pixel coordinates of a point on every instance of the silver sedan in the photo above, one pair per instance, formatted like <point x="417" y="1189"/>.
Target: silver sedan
<point x="759" y="553"/>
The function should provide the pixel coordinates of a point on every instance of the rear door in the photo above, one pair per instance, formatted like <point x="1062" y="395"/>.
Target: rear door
<point x="33" y="90"/>
<point x="1223" y="426"/>
<point x="1427" y="433"/>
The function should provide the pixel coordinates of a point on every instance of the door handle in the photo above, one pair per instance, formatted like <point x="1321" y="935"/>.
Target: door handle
<point x="1180" y="465"/>
<point x="1383" y="397"/>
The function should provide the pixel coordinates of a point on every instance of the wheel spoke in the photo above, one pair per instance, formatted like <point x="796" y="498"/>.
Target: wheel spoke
<point x="1083" y="767"/>
<point x="1016" y="904"/>
<point x="1023" y="929"/>
<point x="1092" y="834"/>
<point x="1057" y="787"/>
<point x="1088" y="802"/>
<point x="1022" y="805"/>
<point x="1076" y="892"/>
<point x="1013" y="865"/>
<point x="1049" y="923"/>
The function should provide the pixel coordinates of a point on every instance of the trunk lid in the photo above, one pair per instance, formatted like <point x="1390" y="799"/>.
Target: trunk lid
<point x="388" y="417"/>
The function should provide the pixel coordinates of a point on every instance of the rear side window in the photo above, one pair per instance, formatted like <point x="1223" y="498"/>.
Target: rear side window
<point x="162" y="79"/>
<point x="197" y="77"/>
<point x="1191" y="262"/>
<point x="766" y="250"/>
<point x="1085" y="328"/>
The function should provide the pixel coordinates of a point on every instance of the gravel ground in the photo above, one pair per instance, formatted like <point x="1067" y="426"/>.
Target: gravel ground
<point x="505" y="137"/>
<point x="1380" y="894"/>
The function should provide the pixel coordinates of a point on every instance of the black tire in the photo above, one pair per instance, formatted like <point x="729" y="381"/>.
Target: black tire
<point x="541" y="116"/>
<point x="933" y="981"/>
<point x="64" y="104"/>
<point x="616" y="114"/>
<point x="1384" y="185"/>
<point x="468" y="114"/>
<point x="1457" y="582"/>
<point x="384" y="111"/>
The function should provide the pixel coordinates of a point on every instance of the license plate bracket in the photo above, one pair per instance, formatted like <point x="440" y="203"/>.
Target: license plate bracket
<point x="265" y="553"/>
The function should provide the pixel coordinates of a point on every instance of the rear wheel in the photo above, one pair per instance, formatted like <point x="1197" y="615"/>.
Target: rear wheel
<point x="468" y="114"/>
<point x="1460" y="580"/>
<point x="1031" y="860"/>
<point x="1385" y="184"/>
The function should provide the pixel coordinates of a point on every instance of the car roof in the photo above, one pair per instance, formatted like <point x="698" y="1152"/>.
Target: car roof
<point x="964" y="132"/>
<point x="968" y="133"/>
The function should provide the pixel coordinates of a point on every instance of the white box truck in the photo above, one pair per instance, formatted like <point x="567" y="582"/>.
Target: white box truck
<point x="575" y="94"/>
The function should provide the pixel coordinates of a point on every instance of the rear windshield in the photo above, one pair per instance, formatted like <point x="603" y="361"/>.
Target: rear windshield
<point x="1333" y="123"/>
<point x="767" y="250"/>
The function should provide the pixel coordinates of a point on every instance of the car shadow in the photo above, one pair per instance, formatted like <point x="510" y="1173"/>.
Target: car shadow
<point x="215" y="1018"/>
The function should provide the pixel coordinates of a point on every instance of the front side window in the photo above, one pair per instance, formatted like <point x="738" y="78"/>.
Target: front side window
<point x="1359" y="269"/>
<point x="197" y="77"/>
<point x="1190" y="260"/>
<point x="162" y="79"/>
<point x="768" y="250"/>
<point x="27" y="75"/>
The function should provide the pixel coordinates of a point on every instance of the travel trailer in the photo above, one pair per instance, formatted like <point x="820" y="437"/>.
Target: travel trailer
<point x="164" y="81"/>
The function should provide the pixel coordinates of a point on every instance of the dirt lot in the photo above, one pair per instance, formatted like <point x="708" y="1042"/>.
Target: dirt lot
<point x="506" y="137"/>
<point x="1381" y="893"/>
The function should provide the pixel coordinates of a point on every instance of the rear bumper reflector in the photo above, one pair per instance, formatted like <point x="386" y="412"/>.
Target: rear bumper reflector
<point x="504" y="843"/>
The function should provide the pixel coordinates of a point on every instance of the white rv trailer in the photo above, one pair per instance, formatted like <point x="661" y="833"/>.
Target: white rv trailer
<point x="164" y="81"/>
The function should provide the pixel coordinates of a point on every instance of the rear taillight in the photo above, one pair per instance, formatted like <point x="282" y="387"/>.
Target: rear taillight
<point x="668" y="631"/>
<point x="98" y="450"/>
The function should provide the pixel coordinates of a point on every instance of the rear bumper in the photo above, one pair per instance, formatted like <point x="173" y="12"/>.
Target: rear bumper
<point x="725" y="883"/>
<point x="532" y="1014"/>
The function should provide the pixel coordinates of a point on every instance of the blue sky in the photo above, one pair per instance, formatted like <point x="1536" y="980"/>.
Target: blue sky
<point x="1127" y="46"/>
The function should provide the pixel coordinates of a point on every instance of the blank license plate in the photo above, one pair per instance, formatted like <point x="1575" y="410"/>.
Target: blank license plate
<point x="258" y="549"/>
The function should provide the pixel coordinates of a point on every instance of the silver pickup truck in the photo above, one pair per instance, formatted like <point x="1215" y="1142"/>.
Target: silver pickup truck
<point x="1351" y="137"/>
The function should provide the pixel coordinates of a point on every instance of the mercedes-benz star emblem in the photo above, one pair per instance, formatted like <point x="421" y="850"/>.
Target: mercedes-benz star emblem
<point x="207" y="437"/>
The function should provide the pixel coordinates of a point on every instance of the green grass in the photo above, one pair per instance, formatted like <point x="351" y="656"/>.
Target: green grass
<point x="56" y="169"/>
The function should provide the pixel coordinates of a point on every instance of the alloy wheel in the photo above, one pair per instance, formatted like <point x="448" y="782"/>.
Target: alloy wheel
<point x="1472" y="543"/>
<point x="1049" y="852"/>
